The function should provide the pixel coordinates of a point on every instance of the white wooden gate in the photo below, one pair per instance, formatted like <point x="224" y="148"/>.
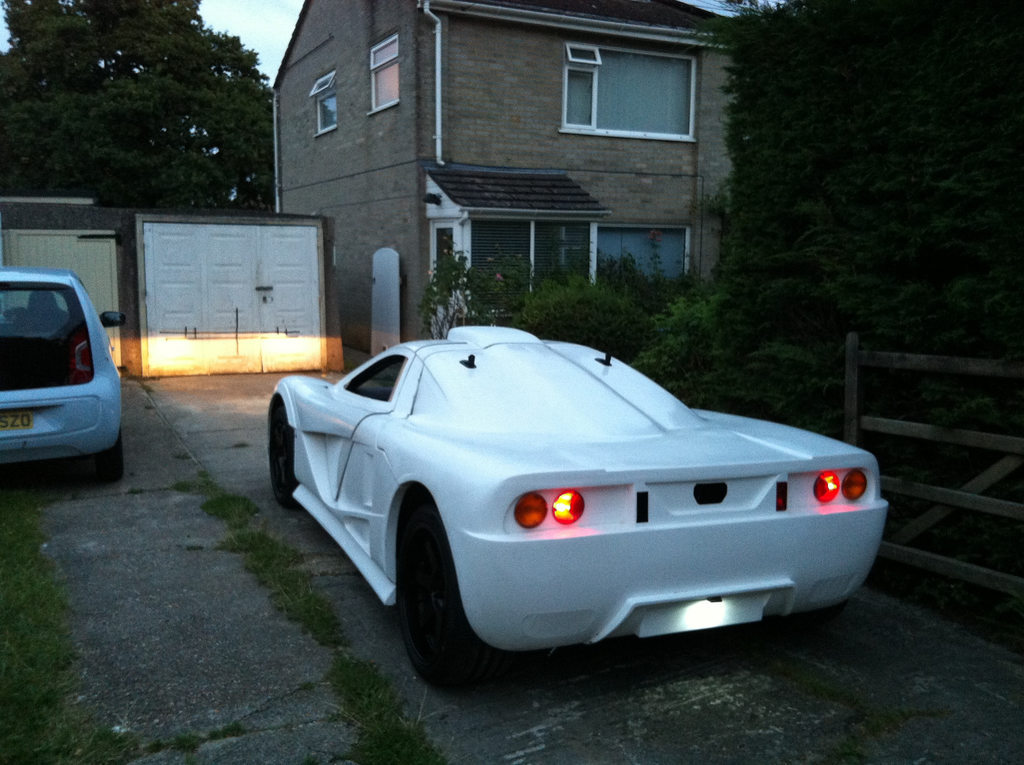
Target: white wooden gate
<point x="231" y="298"/>
<point x="385" y="308"/>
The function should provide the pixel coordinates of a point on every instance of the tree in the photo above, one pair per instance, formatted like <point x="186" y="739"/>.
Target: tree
<point x="136" y="100"/>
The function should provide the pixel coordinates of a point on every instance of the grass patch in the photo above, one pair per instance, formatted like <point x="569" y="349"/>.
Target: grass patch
<point x="275" y="565"/>
<point x="366" y="697"/>
<point x="39" y="723"/>
<point x="369" y="700"/>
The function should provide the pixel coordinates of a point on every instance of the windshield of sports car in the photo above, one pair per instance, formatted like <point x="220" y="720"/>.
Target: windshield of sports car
<point x="38" y="323"/>
<point x="530" y="388"/>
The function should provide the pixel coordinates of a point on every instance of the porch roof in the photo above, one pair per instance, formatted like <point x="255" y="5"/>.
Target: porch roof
<point x="482" y="188"/>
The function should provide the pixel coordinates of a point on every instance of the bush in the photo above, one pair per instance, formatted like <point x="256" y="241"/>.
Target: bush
<point x="577" y="311"/>
<point x="679" y="354"/>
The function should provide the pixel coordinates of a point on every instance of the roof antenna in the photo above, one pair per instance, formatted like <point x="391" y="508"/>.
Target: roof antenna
<point x="607" y="360"/>
<point x="469" y="363"/>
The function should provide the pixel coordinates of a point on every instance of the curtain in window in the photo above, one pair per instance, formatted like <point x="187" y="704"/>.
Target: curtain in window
<point x="653" y="251"/>
<point x="499" y="244"/>
<point x="579" y="100"/>
<point x="560" y="248"/>
<point x="638" y="93"/>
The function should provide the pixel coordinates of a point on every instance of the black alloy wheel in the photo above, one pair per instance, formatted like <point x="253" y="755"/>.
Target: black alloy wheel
<point x="438" y="638"/>
<point x="281" y="451"/>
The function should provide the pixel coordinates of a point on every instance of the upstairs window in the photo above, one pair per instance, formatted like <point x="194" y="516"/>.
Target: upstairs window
<point x="326" y="103"/>
<point x="384" y="73"/>
<point x="608" y="91"/>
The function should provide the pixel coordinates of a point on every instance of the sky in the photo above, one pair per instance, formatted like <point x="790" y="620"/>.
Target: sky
<point x="264" y="26"/>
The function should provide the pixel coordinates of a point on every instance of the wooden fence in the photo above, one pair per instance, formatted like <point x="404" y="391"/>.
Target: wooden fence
<point x="967" y="497"/>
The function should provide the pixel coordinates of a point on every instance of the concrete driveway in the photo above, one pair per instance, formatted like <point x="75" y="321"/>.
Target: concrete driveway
<point x="175" y="637"/>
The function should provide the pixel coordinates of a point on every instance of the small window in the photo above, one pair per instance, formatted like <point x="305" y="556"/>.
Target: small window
<point x="378" y="382"/>
<point x="583" y="54"/>
<point x="326" y="103"/>
<point x="384" y="73"/>
<point x="324" y="83"/>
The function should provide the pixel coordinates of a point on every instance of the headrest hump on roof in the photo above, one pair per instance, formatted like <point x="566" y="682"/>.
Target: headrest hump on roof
<point x="483" y="337"/>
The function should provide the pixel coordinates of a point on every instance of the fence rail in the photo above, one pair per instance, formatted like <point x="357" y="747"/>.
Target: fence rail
<point x="969" y="496"/>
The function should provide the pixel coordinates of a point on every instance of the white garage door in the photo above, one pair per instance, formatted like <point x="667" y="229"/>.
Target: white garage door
<point x="231" y="298"/>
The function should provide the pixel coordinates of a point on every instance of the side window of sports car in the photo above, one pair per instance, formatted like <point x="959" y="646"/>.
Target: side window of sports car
<point x="378" y="382"/>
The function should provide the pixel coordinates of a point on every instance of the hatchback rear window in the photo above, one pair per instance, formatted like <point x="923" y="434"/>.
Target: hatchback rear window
<point x="44" y="339"/>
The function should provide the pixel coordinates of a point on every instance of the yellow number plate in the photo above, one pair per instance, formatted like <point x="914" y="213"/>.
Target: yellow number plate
<point x="16" y="420"/>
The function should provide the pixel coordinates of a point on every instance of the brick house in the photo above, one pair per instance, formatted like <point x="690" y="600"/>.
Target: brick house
<point x="558" y="131"/>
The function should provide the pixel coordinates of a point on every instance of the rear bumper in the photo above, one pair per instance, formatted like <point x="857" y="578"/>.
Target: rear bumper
<point x="65" y="424"/>
<point x="527" y="593"/>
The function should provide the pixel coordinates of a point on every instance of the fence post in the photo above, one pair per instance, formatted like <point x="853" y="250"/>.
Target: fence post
<point x="853" y="393"/>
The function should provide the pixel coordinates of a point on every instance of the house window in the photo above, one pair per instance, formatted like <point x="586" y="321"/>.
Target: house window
<point x="384" y="73"/>
<point x="326" y="103"/>
<point x="654" y="251"/>
<point x="518" y="249"/>
<point x="625" y="93"/>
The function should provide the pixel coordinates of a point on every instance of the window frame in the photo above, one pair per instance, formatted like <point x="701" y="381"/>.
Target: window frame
<point x="323" y="90"/>
<point x="574" y="62"/>
<point x="377" y="67"/>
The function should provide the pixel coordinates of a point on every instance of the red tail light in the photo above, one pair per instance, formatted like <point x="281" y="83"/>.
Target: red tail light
<point x="826" y="486"/>
<point x="79" y="357"/>
<point x="568" y="507"/>
<point x="781" y="496"/>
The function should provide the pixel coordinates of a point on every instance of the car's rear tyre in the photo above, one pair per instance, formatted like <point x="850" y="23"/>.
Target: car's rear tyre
<point x="281" y="451"/>
<point x="441" y="645"/>
<point x="110" y="463"/>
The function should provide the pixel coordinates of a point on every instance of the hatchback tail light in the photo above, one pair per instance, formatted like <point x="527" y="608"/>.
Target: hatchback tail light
<point x="79" y="357"/>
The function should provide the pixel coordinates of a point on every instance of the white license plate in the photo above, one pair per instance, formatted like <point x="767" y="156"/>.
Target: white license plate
<point x="16" y="420"/>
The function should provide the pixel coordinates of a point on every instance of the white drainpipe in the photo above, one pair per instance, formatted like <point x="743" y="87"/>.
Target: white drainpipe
<point x="438" y="146"/>
<point x="277" y="164"/>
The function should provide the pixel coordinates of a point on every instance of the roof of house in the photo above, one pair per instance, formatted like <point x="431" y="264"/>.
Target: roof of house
<point x="642" y="14"/>
<point x="669" y="13"/>
<point x="509" y="189"/>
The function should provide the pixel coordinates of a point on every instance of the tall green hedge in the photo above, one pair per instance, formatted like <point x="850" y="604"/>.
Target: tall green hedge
<point x="876" y="187"/>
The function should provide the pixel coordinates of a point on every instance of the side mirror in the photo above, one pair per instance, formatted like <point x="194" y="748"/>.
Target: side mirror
<point x="112" y="319"/>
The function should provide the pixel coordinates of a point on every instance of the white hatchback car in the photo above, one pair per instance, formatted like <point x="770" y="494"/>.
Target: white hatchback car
<point x="60" y="392"/>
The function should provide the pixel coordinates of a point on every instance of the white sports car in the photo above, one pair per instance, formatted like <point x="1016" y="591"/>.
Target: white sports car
<point x="513" y="494"/>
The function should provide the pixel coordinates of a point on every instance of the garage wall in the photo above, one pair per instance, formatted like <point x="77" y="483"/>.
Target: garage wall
<point x="223" y="298"/>
<point x="90" y="254"/>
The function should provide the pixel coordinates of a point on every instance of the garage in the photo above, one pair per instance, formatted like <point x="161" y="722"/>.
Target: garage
<point x="222" y="298"/>
<point x="90" y="254"/>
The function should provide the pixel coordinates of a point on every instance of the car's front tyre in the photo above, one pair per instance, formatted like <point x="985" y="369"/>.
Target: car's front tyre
<point x="281" y="452"/>
<point x="438" y="638"/>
